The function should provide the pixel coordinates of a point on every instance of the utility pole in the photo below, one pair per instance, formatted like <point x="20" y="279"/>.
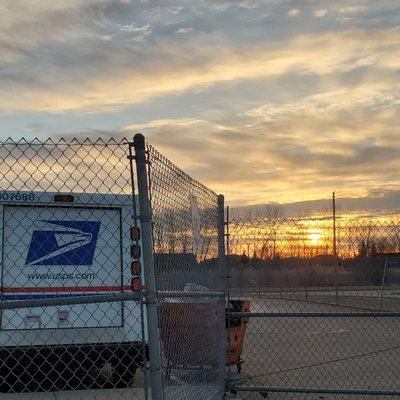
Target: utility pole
<point x="334" y="223"/>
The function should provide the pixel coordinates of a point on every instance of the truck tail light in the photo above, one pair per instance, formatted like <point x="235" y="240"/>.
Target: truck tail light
<point x="136" y="284"/>
<point x="135" y="233"/>
<point x="135" y="251"/>
<point x="135" y="268"/>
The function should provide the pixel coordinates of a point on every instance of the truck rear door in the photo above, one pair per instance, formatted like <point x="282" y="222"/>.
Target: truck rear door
<point x="52" y="251"/>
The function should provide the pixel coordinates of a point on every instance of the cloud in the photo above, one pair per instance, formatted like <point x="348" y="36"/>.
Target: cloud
<point x="298" y="158"/>
<point x="37" y="23"/>
<point x="293" y="12"/>
<point x="258" y="109"/>
<point x="135" y="28"/>
<point x="127" y="77"/>
<point x="352" y="9"/>
<point x="249" y="4"/>
<point x="184" y="30"/>
<point x="320" y="13"/>
<point x="137" y="33"/>
<point x="367" y="95"/>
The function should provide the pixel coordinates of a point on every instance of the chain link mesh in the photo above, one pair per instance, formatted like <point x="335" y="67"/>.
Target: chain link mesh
<point x="288" y="270"/>
<point x="66" y="211"/>
<point x="191" y="323"/>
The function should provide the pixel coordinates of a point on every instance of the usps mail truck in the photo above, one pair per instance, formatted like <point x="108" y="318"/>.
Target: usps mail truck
<point x="56" y="246"/>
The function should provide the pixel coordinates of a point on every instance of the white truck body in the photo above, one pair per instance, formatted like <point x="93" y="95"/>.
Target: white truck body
<point x="61" y="249"/>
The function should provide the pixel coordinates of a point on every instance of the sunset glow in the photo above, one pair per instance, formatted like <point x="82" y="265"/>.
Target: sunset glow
<point x="314" y="238"/>
<point x="261" y="101"/>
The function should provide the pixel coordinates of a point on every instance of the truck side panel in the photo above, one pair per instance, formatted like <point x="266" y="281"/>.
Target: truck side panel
<point x="50" y="252"/>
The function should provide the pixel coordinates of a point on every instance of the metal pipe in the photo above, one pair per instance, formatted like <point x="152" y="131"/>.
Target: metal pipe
<point x="178" y="294"/>
<point x="222" y="266"/>
<point x="221" y="236"/>
<point x="149" y="269"/>
<point x="228" y="298"/>
<point x="142" y="307"/>
<point x="64" y="301"/>
<point x="335" y="246"/>
<point x="334" y="223"/>
<point x="329" y="289"/>
<point x="316" y="314"/>
<point x="370" y="392"/>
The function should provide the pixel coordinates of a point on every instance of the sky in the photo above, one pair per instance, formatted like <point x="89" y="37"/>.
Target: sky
<point x="266" y="101"/>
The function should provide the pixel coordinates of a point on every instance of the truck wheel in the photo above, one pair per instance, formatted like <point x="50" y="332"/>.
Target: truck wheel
<point x="123" y="376"/>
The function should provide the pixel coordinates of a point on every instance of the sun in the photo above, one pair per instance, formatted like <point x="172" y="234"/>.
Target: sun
<point x="314" y="237"/>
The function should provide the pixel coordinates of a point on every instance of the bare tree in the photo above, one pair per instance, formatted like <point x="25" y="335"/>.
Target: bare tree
<point x="263" y="211"/>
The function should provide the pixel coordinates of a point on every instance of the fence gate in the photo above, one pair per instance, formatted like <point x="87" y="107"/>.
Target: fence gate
<point x="320" y="325"/>
<point x="182" y="227"/>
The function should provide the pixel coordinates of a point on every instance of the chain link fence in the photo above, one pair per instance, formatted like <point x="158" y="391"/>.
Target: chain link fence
<point x="95" y="280"/>
<point x="71" y="315"/>
<point x="74" y="321"/>
<point x="184" y="253"/>
<point x="324" y="307"/>
<point x="294" y="258"/>
<point x="189" y="279"/>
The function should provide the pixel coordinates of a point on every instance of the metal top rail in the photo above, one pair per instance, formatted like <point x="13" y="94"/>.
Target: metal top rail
<point x="78" y="299"/>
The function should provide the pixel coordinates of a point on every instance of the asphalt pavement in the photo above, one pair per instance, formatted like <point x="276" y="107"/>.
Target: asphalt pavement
<point x="335" y="353"/>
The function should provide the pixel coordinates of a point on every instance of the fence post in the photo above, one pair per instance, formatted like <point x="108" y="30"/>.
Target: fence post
<point x="335" y="246"/>
<point x="149" y="270"/>
<point x="223" y="266"/>
<point x="221" y="239"/>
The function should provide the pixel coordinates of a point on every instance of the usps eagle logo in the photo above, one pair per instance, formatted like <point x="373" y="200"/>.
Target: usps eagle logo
<point x="64" y="243"/>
